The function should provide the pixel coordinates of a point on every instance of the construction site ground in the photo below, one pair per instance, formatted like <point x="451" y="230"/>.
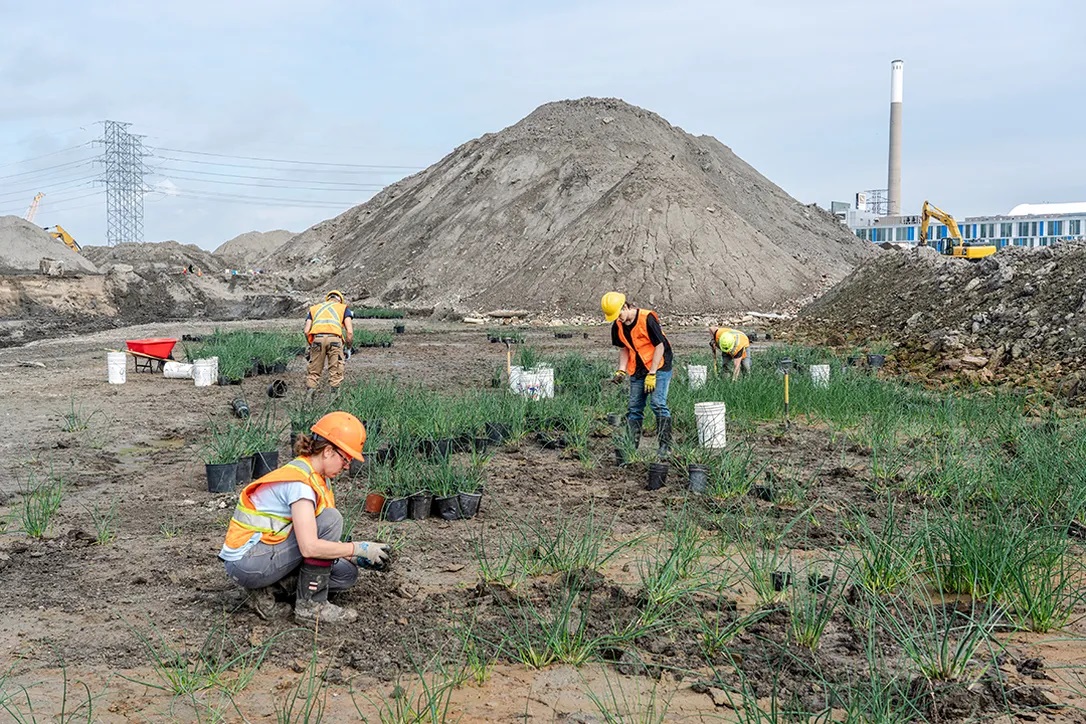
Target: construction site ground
<point x="74" y="611"/>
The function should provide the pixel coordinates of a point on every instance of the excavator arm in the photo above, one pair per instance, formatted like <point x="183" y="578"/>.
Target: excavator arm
<point x="64" y="236"/>
<point x="931" y="211"/>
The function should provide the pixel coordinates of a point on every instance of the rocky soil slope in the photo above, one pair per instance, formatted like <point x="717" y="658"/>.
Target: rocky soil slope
<point x="1017" y="317"/>
<point x="578" y="198"/>
<point x="23" y="245"/>
<point x="252" y="248"/>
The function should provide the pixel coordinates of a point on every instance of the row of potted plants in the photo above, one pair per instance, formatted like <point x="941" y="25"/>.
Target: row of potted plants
<point x="239" y="452"/>
<point x="416" y="489"/>
<point x="243" y="353"/>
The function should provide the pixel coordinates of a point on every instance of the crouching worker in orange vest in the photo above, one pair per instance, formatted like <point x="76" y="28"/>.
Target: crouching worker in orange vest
<point x="734" y="344"/>
<point x="287" y="522"/>
<point x="327" y="328"/>
<point x="644" y="357"/>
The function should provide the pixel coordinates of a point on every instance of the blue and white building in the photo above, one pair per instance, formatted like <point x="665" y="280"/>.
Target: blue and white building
<point x="1028" y="225"/>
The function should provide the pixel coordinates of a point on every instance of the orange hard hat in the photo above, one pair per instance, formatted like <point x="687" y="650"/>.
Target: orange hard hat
<point x="343" y="430"/>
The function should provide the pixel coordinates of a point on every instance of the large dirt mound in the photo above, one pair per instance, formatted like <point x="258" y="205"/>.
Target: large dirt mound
<point x="23" y="245"/>
<point x="578" y="198"/>
<point x="1017" y="317"/>
<point x="159" y="257"/>
<point x="252" y="248"/>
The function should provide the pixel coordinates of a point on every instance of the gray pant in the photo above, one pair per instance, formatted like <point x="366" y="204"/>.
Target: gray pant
<point x="263" y="564"/>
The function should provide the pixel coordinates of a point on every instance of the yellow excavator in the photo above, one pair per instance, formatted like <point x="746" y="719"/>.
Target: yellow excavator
<point x="63" y="235"/>
<point x="956" y="245"/>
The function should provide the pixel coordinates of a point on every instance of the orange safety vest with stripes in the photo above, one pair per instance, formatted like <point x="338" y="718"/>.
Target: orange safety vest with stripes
<point x="638" y="342"/>
<point x="740" y="342"/>
<point x="327" y="318"/>
<point x="274" y="528"/>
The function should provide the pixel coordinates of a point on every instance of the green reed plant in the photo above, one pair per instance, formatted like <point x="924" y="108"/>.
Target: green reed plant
<point x="887" y="558"/>
<point x="41" y="499"/>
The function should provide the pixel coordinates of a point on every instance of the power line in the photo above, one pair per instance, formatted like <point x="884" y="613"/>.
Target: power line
<point x="80" y="162"/>
<point x="262" y="200"/>
<point x="56" y="186"/>
<point x="369" y="187"/>
<point x="367" y="171"/>
<point x="51" y="205"/>
<point x="269" y="178"/>
<point x="44" y="155"/>
<point x="284" y="160"/>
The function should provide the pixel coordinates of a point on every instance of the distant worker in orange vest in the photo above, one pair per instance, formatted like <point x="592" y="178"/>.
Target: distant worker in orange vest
<point x="327" y="328"/>
<point x="644" y="358"/>
<point x="287" y="522"/>
<point x="734" y="344"/>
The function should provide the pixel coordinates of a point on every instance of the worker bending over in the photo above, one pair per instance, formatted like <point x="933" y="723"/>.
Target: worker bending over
<point x="327" y="328"/>
<point x="644" y="357"/>
<point x="286" y="522"/>
<point x="734" y="344"/>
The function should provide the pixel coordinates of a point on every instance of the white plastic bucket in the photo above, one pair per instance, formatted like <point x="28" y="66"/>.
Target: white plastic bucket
<point x="177" y="370"/>
<point x="203" y="373"/>
<point x="696" y="375"/>
<point x="116" y="367"/>
<point x="820" y="375"/>
<point x="214" y="362"/>
<point x="545" y="375"/>
<point x="712" y="428"/>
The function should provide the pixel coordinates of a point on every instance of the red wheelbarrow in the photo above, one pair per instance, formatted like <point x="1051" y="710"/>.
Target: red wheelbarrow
<point x="150" y="355"/>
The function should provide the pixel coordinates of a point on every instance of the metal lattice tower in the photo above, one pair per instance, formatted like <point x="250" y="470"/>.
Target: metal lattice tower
<point x="877" y="201"/>
<point x="123" y="176"/>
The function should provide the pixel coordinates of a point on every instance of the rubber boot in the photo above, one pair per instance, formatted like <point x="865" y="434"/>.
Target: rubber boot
<point x="312" y="605"/>
<point x="663" y="434"/>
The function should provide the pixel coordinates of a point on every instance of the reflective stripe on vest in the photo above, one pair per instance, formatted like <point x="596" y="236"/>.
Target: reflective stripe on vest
<point x="638" y="343"/>
<point x="327" y="318"/>
<point x="274" y="528"/>
<point x="739" y="340"/>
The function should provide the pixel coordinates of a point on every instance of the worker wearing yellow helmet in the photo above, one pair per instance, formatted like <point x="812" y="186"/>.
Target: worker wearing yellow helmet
<point x="644" y="357"/>
<point x="329" y="331"/>
<point x="733" y="344"/>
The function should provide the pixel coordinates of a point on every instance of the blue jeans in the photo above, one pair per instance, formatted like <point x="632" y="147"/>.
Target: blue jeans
<point x="657" y="400"/>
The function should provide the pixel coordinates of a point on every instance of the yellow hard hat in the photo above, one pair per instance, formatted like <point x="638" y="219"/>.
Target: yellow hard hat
<point x="727" y="339"/>
<point x="335" y="293"/>
<point x="612" y="304"/>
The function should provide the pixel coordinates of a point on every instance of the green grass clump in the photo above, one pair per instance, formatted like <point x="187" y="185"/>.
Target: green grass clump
<point x="377" y="313"/>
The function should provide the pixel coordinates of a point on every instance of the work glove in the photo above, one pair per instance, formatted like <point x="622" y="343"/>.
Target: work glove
<point x="368" y="554"/>
<point x="650" y="382"/>
<point x="618" y="377"/>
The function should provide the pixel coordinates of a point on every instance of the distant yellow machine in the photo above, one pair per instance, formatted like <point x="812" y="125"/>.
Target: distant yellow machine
<point x="956" y="245"/>
<point x="64" y="236"/>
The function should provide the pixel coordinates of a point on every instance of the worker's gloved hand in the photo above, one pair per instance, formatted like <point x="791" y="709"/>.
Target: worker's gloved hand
<point x="618" y="377"/>
<point x="650" y="382"/>
<point x="368" y="554"/>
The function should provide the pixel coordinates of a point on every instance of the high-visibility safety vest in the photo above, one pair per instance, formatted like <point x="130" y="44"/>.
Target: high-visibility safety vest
<point x="327" y="318"/>
<point x="739" y="342"/>
<point x="638" y="342"/>
<point x="274" y="528"/>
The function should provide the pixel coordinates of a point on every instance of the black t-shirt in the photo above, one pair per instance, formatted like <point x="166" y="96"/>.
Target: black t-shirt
<point x="656" y="336"/>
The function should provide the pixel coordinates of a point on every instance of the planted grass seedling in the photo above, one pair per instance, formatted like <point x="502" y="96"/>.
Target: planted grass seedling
<point x="105" y="523"/>
<point x="887" y="558"/>
<point x="626" y="702"/>
<point x="760" y="563"/>
<point x="77" y="417"/>
<point x="812" y="606"/>
<point x="41" y="499"/>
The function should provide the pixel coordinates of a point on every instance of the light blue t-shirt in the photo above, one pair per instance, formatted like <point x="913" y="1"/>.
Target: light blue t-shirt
<point x="274" y="498"/>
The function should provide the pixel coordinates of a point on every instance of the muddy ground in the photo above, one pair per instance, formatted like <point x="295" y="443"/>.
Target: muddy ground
<point x="68" y="601"/>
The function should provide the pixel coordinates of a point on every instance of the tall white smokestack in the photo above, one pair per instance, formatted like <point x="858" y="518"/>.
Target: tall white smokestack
<point x="893" y="182"/>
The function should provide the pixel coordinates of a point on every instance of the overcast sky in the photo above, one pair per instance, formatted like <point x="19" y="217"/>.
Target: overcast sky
<point x="994" y="102"/>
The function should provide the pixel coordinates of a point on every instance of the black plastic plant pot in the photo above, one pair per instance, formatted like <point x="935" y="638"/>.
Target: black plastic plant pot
<point x="657" y="476"/>
<point x="395" y="510"/>
<point x="399" y="328"/>
<point x="418" y="505"/>
<point x="563" y="335"/>
<point x="818" y="583"/>
<point x="264" y="463"/>
<point x="614" y="419"/>
<point x="384" y="454"/>
<point x="762" y="492"/>
<point x="699" y="478"/>
<point x="356" y="468"/>
<point x="221" y="477"/>
<point x="244" y="472"/>
<point x="463" y="443"/>
<point x="781" y="580"/>
<point x="447" y="508"/>
<point x="279" y="368"/>
<point x="875" y="360"/>
<point x="853" y="361"/>
<point x="551" y="440"/>
<point x="224" y="381"/>
<point x="277" y="389"/>
<point x="240" y="408"/>
<point x="480" y="444"/>
<point x="497" y="432"/>
<point x="469" y="504"/>
<point x="620" y="457"/>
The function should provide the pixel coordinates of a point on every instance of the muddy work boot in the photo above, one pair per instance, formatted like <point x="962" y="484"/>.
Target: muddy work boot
<point x="633" y="432"/>
<point x="663" y="436"/>
<point x="261" y="601"/>
<point x="312" y="606"/>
